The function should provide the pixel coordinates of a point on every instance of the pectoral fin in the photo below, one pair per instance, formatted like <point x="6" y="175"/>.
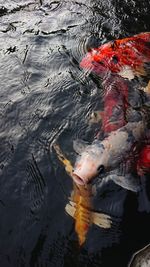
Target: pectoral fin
<point x="102" y="220"/>
<point x="71" y="208"/>
<point x="147" y="88"/>
<point x="127" y="182"/>
<point x="127" y="72"/>
<point x="140" y="71"/>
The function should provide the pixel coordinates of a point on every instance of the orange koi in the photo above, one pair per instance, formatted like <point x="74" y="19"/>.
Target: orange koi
<point x="80" y="205"/>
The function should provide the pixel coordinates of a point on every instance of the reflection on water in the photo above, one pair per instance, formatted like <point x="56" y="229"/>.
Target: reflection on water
<point x="45" y="97"/>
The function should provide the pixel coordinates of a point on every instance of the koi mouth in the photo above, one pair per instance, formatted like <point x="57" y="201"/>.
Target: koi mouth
<point x="78" y="180"/>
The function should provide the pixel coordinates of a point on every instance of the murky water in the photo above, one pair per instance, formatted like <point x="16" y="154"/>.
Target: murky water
<point x="45" y="98"/>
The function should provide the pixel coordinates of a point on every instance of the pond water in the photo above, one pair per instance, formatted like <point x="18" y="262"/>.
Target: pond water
<point x="46" y="98"/>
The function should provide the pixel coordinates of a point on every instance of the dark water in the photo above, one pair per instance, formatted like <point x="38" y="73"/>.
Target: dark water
<point x="46" y="98"/>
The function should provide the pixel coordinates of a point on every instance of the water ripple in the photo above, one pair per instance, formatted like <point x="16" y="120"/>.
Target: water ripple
<point x="47" y="98"/>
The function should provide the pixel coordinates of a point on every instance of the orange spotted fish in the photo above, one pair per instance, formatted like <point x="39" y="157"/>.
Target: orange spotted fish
<point x="80" y="205"/>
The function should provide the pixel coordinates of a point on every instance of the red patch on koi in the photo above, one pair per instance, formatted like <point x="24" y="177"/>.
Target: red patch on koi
<point x="144" y="158"/>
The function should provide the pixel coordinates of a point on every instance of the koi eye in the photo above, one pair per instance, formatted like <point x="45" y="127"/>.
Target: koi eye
<point x="115" y="59"/>
<point x="101" y="62"/>
<point x="101" y="169"/>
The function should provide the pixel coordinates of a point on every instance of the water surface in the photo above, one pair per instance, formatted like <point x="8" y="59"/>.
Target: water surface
<point x="45" y="98"/>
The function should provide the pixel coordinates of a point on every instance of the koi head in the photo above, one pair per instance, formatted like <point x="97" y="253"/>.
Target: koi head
<point x="103" y="156"/>
<point x="90" y="162"/>
<point x="119" y="56"/>
<point x="101" y="60"/>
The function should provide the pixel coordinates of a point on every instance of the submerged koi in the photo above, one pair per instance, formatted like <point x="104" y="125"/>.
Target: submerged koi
<point x="122" y="142"/>
<point x="105" y="156"/>
<point x="115" y="101"/>
<point x="80" y="206"/>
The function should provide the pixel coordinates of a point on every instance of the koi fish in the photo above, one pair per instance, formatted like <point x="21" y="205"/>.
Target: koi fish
<point x="104" y="156"/>
<point x="80" y="205"/>
<point x="141" y="258"/>
<point x="126" y="57"/>
<point x="118" y="111"/>
<point x="132" y="54"/>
